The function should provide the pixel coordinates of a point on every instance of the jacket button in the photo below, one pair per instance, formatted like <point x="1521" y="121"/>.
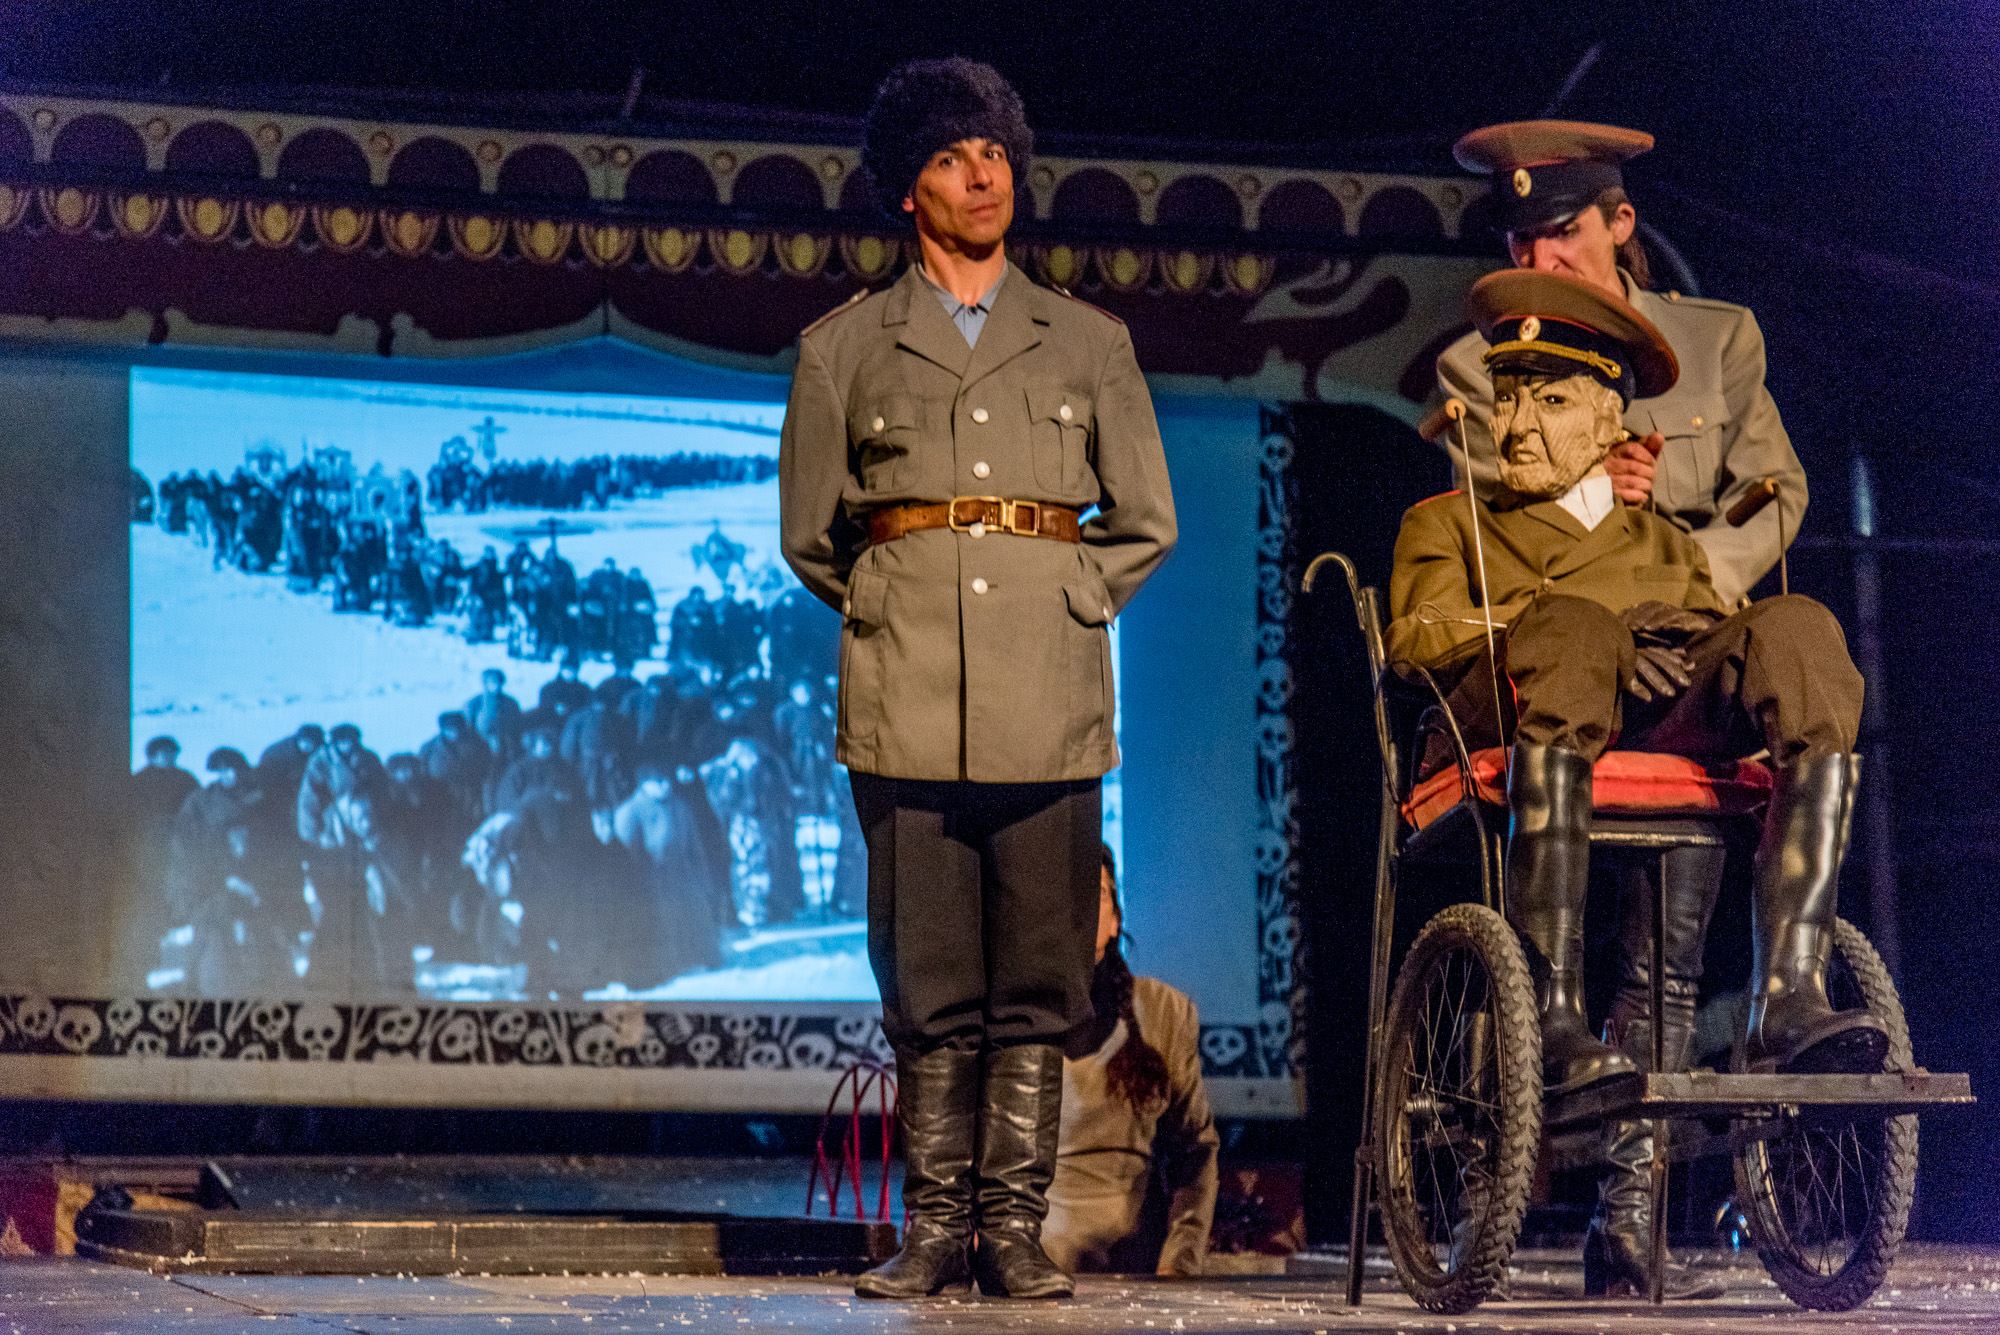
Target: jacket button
<point x="1107" y="614"/>
<point x="981" y="469"/>
<point x="977" y="528"/>
<point x="1697" y="421"/>
<point x="979" y="414"/>
<point x="979" y="586"/>
<point x="1064" y="412"/>
<point x="877" y="424"/>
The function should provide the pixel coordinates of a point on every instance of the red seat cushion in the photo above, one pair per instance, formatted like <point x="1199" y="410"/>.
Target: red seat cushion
<point x="1623" y="783"/>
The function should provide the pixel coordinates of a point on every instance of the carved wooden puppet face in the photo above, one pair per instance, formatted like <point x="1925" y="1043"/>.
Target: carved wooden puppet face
<point x="1552" y="430"/>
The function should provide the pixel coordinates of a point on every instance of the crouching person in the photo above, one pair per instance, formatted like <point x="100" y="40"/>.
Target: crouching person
<point x="1133" y="1111"/>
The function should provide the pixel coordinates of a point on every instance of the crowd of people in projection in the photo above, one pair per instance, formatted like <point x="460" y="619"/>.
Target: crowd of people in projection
<point x="623" y="832"/>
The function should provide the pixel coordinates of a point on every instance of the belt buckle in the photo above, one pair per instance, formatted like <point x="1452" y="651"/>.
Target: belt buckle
<point x="1010" y="517"/>
<point x="957" y="525"/>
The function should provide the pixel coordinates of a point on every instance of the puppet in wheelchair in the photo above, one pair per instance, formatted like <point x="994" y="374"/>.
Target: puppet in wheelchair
<point x="1604" y="626"/>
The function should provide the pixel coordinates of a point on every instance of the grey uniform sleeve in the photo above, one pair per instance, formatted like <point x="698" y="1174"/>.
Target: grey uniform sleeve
<point x="1461" y="375"/>
<point x="812" y="471"/>
<point x="1754" y="446"/>
<point x="1134" y="527"/>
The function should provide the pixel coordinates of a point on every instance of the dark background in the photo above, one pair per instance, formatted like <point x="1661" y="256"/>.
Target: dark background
<point x="1830" y="165"/>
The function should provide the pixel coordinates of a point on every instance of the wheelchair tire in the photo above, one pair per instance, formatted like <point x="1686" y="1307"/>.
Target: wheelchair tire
<point x="1458" y="1114"/>
<point x="1828" y="1201"/>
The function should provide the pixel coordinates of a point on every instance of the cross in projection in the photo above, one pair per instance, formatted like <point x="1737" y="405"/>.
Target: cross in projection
<point x="488" y="432"/>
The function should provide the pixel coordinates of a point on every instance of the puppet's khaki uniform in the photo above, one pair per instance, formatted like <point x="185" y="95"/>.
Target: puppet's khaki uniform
<point x="1722" y="431"/>
<point x="1776" y="674"/>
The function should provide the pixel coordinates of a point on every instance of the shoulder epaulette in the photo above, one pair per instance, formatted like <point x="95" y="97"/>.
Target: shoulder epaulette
<point x="1441" y="496"/>
<point x="847" y="305"/>
<point x="1062" y="291"/>
<point x="1700" y="303"/>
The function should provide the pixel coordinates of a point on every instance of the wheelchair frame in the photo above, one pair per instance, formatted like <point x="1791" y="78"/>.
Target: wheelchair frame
<point x="1747" y="1099"/>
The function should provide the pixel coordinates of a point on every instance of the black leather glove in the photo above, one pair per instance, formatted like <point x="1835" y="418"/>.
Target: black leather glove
<point x="1663" y="623"/>
<point x="1659" y="630"/>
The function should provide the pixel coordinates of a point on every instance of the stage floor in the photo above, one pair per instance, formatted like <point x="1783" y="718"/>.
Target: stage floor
<point x="1934" y="1289"/>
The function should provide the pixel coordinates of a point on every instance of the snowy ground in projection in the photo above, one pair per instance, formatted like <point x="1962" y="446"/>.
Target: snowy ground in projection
<point x="224" y="658"/>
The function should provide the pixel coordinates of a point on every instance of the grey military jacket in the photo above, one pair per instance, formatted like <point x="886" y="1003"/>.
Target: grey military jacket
<point x="1722" y="430"/>
<point x="983" y="658"/>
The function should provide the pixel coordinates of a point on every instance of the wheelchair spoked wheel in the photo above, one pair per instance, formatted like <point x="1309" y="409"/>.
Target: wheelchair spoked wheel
<point x="1459" y="1108"/>
<point x="1828" y="1199"/>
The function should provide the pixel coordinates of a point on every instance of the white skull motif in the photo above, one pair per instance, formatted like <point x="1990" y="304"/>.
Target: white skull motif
<point x="164" y="1015"/>
<point x="509" y="1027"/>
<point x="209" y="1043"/>
<point x="539" y="1046"/>
<point x="148" y="1045"/>
<point x="703" y="1047"/>
<point x="124" y="1016"/>
<point x="458" y="1038"/>
<point x="316" y="1028"/>
<point x="1224" y="1047"/>
<point x="811" y="1052"/>
<point x="77" y="1027"/>
<point x="36" y="1017"/>
<point x="651" y="1050"/>
<point x="597" y="1045"/>
<point x="396" y="1026"/>
<point x="271" y="1019"/>
<point x="764" y="1057"/>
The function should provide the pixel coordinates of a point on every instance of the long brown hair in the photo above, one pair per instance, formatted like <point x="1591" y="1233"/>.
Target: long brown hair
<point x="1632" y="254"/>
<point x="1136" y="1072"/>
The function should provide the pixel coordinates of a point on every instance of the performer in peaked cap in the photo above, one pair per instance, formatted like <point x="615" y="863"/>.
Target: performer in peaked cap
<point x="943" y="445"/>
<point x="1606" y="624"/>
<point x="1559" y="198"/>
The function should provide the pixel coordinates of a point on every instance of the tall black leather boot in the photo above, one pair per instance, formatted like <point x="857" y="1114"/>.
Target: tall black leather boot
<point x="1019" y="1117"/>
<point x="1548" y="873"/>
<point x="1618" y="1248"/>
<point x="1792" y="1026"/>
<point x="937" y="1102"/>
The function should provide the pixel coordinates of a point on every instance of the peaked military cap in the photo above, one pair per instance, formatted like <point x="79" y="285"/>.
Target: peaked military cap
<point x="1546" y="172"/>
<point x="1545" y="324"/>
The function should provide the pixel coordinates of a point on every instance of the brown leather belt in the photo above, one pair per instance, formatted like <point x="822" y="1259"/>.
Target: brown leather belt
<point x="978" y="515"/>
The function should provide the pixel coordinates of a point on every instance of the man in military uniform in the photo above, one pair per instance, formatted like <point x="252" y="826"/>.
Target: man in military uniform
<point x="1606" y="624"/>
<point x="1698" y="448"/>
<point x="943" y="442"/>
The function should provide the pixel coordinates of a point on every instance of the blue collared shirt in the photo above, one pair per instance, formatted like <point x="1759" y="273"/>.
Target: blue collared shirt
<point x="969" y="319"/>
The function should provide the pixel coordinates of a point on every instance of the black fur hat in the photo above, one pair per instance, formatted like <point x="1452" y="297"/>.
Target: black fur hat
<point x="926" y="104"/>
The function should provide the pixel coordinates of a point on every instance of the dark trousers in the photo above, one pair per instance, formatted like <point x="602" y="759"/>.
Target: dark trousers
<point x="982" y="908"/>
<point x="1774" y="675"/>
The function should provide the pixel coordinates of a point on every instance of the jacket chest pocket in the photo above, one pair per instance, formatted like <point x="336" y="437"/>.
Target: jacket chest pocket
<point x="882" y="432"/>
<point x="1690" y="466"/>
<point x="1059" y="423"/>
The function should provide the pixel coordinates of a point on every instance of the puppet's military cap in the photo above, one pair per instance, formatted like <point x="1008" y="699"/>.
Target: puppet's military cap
<point x="1546" y="172"/>
<point x="1544" y="324"/>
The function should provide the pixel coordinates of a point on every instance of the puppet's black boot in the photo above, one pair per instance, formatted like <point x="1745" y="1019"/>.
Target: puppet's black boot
<point x="1019" y="1116"/>
<point x="1792" y="1025"/>
<point x="938" y="1105"/>
<point x="1548" y="871"/>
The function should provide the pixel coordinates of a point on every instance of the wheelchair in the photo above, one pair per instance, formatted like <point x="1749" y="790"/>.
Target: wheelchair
<point x="1454" y="1116"/>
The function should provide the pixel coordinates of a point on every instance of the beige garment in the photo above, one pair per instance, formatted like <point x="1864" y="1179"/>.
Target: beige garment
<point x="984" y="658"/>
<point x="1722" y="431"/>
<point x="1632" y="557"/>
<point x="1106" y="1154"/>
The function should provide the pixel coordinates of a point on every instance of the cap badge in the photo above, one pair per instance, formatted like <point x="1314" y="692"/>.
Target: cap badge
<point x="1531" y="329"/>
<point x="1523" y="182"/>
